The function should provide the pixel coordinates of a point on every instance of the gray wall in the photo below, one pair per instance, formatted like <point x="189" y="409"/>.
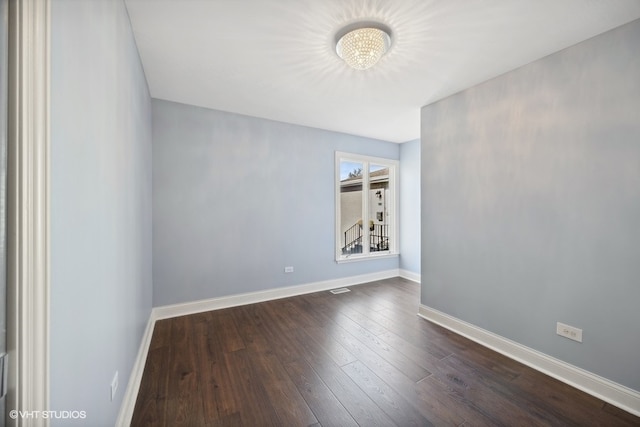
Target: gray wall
<point x="410" y="206"/>
<point x="100" y="206"/>
<point x="531" y="204"/>
<point x="236" y="199"/>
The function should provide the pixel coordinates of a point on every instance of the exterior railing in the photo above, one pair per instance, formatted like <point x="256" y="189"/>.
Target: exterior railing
<point x="378" y="238"/>
<point x="353" y="237"/>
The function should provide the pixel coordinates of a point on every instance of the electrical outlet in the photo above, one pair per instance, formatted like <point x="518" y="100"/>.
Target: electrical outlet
<point x="288" y="269"/>
<point x="114" y="385"/>
<point x="569" y="332"/>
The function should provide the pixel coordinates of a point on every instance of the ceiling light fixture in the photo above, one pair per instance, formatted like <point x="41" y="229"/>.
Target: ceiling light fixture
<point x="361" y="45"/>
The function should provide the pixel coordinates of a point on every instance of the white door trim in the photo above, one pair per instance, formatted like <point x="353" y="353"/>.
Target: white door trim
<point x="28" y="211"/>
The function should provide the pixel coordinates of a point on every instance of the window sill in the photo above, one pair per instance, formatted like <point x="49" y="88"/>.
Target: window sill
<point x="356" y="258"/>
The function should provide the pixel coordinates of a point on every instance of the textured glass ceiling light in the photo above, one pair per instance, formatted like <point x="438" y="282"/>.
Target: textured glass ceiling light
<point x="361" y="47"/>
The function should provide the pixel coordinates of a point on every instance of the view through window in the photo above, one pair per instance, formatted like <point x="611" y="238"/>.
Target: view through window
<point x="365" y="215"/>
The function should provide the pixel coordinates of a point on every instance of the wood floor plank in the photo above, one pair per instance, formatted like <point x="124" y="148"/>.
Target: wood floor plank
<point x="400" y="297"/>
<point x="489" y="364"/>
<point x="277" y="336"/>
<point x="417" y="355"/>
<point x="222" y="325"/>
<point x="283" y="394"/>
<point x="183" y="408"/>
<point x="358" y="358"/>
<point x="384" y="370"/>
<point x="365" y="320"/>
<point x="249" y="391"/>
<point x="219" y="401"/>
<point x="358" y="297"/>
<point x="161" y="334"/>
<point x="251" y="335"/>
<point x="324" y="404"/>
<point x="232" y="420"/>
<point x="571" y="405"/>
<point x="619" y="416"/>
<point x="344" y="390"/>
<point x="304" y="314"/>
<point x="336" y="351"/>
<point x="215" y="383"/>
<point x="433" y="398"/>
<point x="390" y="354"/>
<point x="363" y="410"/>
<point x="391" y="402"/>
<point x="154" y="382"/>
<point x="305" y="306"/>
<point x="432" y="336"/>
<point x="487" y="396"/>
<point x="279" y="315"/>
<point x="414" y="335"/>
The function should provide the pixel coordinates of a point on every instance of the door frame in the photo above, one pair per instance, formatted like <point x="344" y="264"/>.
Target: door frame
<point x="28" y="250"/>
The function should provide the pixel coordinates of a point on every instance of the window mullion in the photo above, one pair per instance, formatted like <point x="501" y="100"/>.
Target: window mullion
<point x="366" y="244"/>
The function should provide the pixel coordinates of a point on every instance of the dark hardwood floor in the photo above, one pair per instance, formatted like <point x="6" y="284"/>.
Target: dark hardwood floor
<point x="359" y="358"/>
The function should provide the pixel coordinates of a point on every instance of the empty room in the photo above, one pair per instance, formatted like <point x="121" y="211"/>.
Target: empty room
<point x="329" y="213"/>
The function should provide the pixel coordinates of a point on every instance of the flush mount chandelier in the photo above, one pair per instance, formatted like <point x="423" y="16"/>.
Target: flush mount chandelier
<point x="361" y="45"/>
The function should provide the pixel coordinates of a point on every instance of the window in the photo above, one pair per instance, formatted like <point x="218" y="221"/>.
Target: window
<point x="366" y="195"/>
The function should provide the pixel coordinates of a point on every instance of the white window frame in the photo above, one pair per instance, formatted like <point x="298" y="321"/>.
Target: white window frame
<point x="392" y="204"/>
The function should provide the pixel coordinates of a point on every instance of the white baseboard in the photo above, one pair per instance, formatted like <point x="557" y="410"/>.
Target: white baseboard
<point x="410" y="275"/>
<point x="174" y="310"/>
<point x="133" y="385"/>
<point x="602" y="388"/>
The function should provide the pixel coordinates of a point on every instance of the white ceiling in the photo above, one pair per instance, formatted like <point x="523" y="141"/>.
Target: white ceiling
<point x="276" y="59"/>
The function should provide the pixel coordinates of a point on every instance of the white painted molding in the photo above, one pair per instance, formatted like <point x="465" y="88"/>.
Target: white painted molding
<point x="602" y="388"/>
<point x="28" y="210"/>
<point x="410" y="275"/>
<point x="167" y="311"/>
<point x="133" y="385"/>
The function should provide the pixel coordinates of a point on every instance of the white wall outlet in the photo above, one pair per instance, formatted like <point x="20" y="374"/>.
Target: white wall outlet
<point x="569" y="332"/>
<point x="288" y="269"/>
<point x="114" y="385"/>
